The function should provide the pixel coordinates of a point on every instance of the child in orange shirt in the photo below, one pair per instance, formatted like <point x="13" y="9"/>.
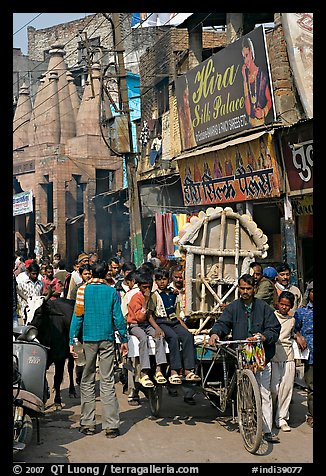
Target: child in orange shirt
<point x="141" y="324"/>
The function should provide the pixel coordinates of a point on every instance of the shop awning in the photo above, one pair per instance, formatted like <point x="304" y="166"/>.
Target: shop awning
<point x="44" y="228"/>
<point x="222" y="145"/>
<point x="71" y="221"/>
<point x="107" y="199"/>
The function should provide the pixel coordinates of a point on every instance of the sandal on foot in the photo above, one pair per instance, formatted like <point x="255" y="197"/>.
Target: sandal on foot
<point x="87" y="430"/>
<point x="134" y="402"/>
<point x="146" y="382"/>
<point x="192" y="377"/>
<point x="175" y="380"/>
<point x="159" y="378"/>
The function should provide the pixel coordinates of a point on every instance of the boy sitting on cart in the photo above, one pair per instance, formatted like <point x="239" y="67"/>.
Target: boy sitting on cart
<point x="142" y="324"/>
<point x="175" y="330"/>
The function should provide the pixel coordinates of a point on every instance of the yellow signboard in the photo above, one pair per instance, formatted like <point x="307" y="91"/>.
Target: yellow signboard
<point x="247" y="171"/>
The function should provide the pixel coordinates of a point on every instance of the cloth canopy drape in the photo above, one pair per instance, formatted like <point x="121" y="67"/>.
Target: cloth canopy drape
<point x="164" y="234"/>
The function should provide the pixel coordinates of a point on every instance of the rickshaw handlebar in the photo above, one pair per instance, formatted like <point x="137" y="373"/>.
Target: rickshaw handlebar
<point x="228" y="342"/>
<point x="238" y="341"/>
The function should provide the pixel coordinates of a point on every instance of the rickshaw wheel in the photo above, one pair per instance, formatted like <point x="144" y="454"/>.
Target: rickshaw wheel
<point x="249" y="411"/>
<point x="155" y="395"/>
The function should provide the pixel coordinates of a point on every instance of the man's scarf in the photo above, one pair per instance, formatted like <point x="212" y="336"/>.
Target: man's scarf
<point x="79" y="308"/>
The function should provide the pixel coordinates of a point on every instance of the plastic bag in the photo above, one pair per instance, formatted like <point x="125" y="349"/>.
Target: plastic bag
<point x="253" y="356"/>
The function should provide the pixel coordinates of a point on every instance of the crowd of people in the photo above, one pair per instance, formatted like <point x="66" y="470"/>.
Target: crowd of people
<point x="115" y="298"/>
<point x="273" y="310"/>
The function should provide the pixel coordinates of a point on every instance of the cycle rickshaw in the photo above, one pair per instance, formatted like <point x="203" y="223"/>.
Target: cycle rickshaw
<point x="217" y="248"/>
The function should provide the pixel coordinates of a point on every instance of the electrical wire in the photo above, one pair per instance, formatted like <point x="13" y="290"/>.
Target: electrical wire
<point x="73" y="37"/>
<point x="104" y="38"/>
<point x="80" y="74"/>
<point x="100" y="123"/>
<point x="28" y="23"/>
<point x="115" y="152"/>
<point x="64" y="46"/>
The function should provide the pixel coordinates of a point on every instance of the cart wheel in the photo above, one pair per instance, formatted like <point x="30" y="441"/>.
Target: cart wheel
<point x="155" y="399"/>
<point x="249" y="411"/>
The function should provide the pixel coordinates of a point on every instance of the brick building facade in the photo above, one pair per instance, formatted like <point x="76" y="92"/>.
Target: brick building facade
<point x="60" y="154"/>
<point x="160" y="66"/>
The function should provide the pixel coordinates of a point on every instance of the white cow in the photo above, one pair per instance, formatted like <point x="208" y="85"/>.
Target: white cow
<point x="33" y="303"/>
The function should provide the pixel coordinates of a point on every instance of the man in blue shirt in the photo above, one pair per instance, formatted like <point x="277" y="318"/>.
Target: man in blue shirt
<point x="98" y="310"/>
<point x="304" y="328"/>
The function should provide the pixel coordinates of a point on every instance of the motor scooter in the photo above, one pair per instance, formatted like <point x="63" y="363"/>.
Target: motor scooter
<point x="30" y="387"/>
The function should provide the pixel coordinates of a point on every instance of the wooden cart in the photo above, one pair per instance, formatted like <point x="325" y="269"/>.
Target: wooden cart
<point x="218" y="247"/>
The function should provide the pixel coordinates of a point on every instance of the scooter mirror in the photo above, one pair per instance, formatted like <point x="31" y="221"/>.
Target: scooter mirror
<point x="28" y="334"/>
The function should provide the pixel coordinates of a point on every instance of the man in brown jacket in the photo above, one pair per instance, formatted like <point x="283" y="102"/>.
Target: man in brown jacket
<point x="264" y="287"/>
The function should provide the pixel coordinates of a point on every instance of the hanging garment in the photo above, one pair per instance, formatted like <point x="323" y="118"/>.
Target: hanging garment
<point x="175" y="228"/>
<point x="164" y="234"/>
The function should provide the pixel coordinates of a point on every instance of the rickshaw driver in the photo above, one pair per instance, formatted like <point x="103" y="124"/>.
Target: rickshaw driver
<point x="249" y="317"/>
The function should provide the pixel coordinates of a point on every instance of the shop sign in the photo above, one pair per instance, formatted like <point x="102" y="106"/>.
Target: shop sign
<point x="24" y="167"/>
<point x="298" y="32"/>
<point x="247" y="171"/>
<point x="298" y="150"/>
<point x="23" y="203"/>
<point x="302" y="205"/>
<point x="228" y="93"/>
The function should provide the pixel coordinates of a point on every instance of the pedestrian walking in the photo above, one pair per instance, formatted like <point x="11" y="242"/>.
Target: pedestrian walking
<point x="56" y="259"/>
<point x="264" y="287"/>
<point x="283" y="363"/>
<point x="119" y="257"/>
<point x="92" y="257"/>
<point x="61" y="272"/>
<point x="270" y="273"/>
<point x="304" y="335"/>
<point x="19" y="264"/>
<point x="30" y="285"/>
<point x="251" y="317"/>
<point x="85" y="273"/>
<point x="98" y="311"/>
<point x="122" y="286"/>
<point x="114" y="267"/>
<point x="75" y="277"/>
<point x="49" y="280"/>
<point x="282" y="283"/>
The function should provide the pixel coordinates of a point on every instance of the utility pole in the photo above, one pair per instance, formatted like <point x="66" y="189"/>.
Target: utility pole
<point x="89" y="65"/>
<point x="136" y="240"/>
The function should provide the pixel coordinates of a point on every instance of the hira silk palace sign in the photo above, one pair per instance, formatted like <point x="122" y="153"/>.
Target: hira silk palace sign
<point x="228" y="93"/>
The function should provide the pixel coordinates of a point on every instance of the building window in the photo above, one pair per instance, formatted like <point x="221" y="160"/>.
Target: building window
<point x="93" y="45"/>
<point x="163" y="96"/>
<point x="46" y="55"/>
<point x="104" y="180"/>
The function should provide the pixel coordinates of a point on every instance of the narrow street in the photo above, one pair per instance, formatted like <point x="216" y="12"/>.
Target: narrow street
<point x="182" y="434"/>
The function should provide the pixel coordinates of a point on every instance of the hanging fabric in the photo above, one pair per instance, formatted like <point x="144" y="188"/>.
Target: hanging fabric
<point x="168" y="234"/>
<point x="175" y="228"/>
<point x="159" y="234"/>
<point x="164" y="234"/>
<point x="182" y="220"/>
